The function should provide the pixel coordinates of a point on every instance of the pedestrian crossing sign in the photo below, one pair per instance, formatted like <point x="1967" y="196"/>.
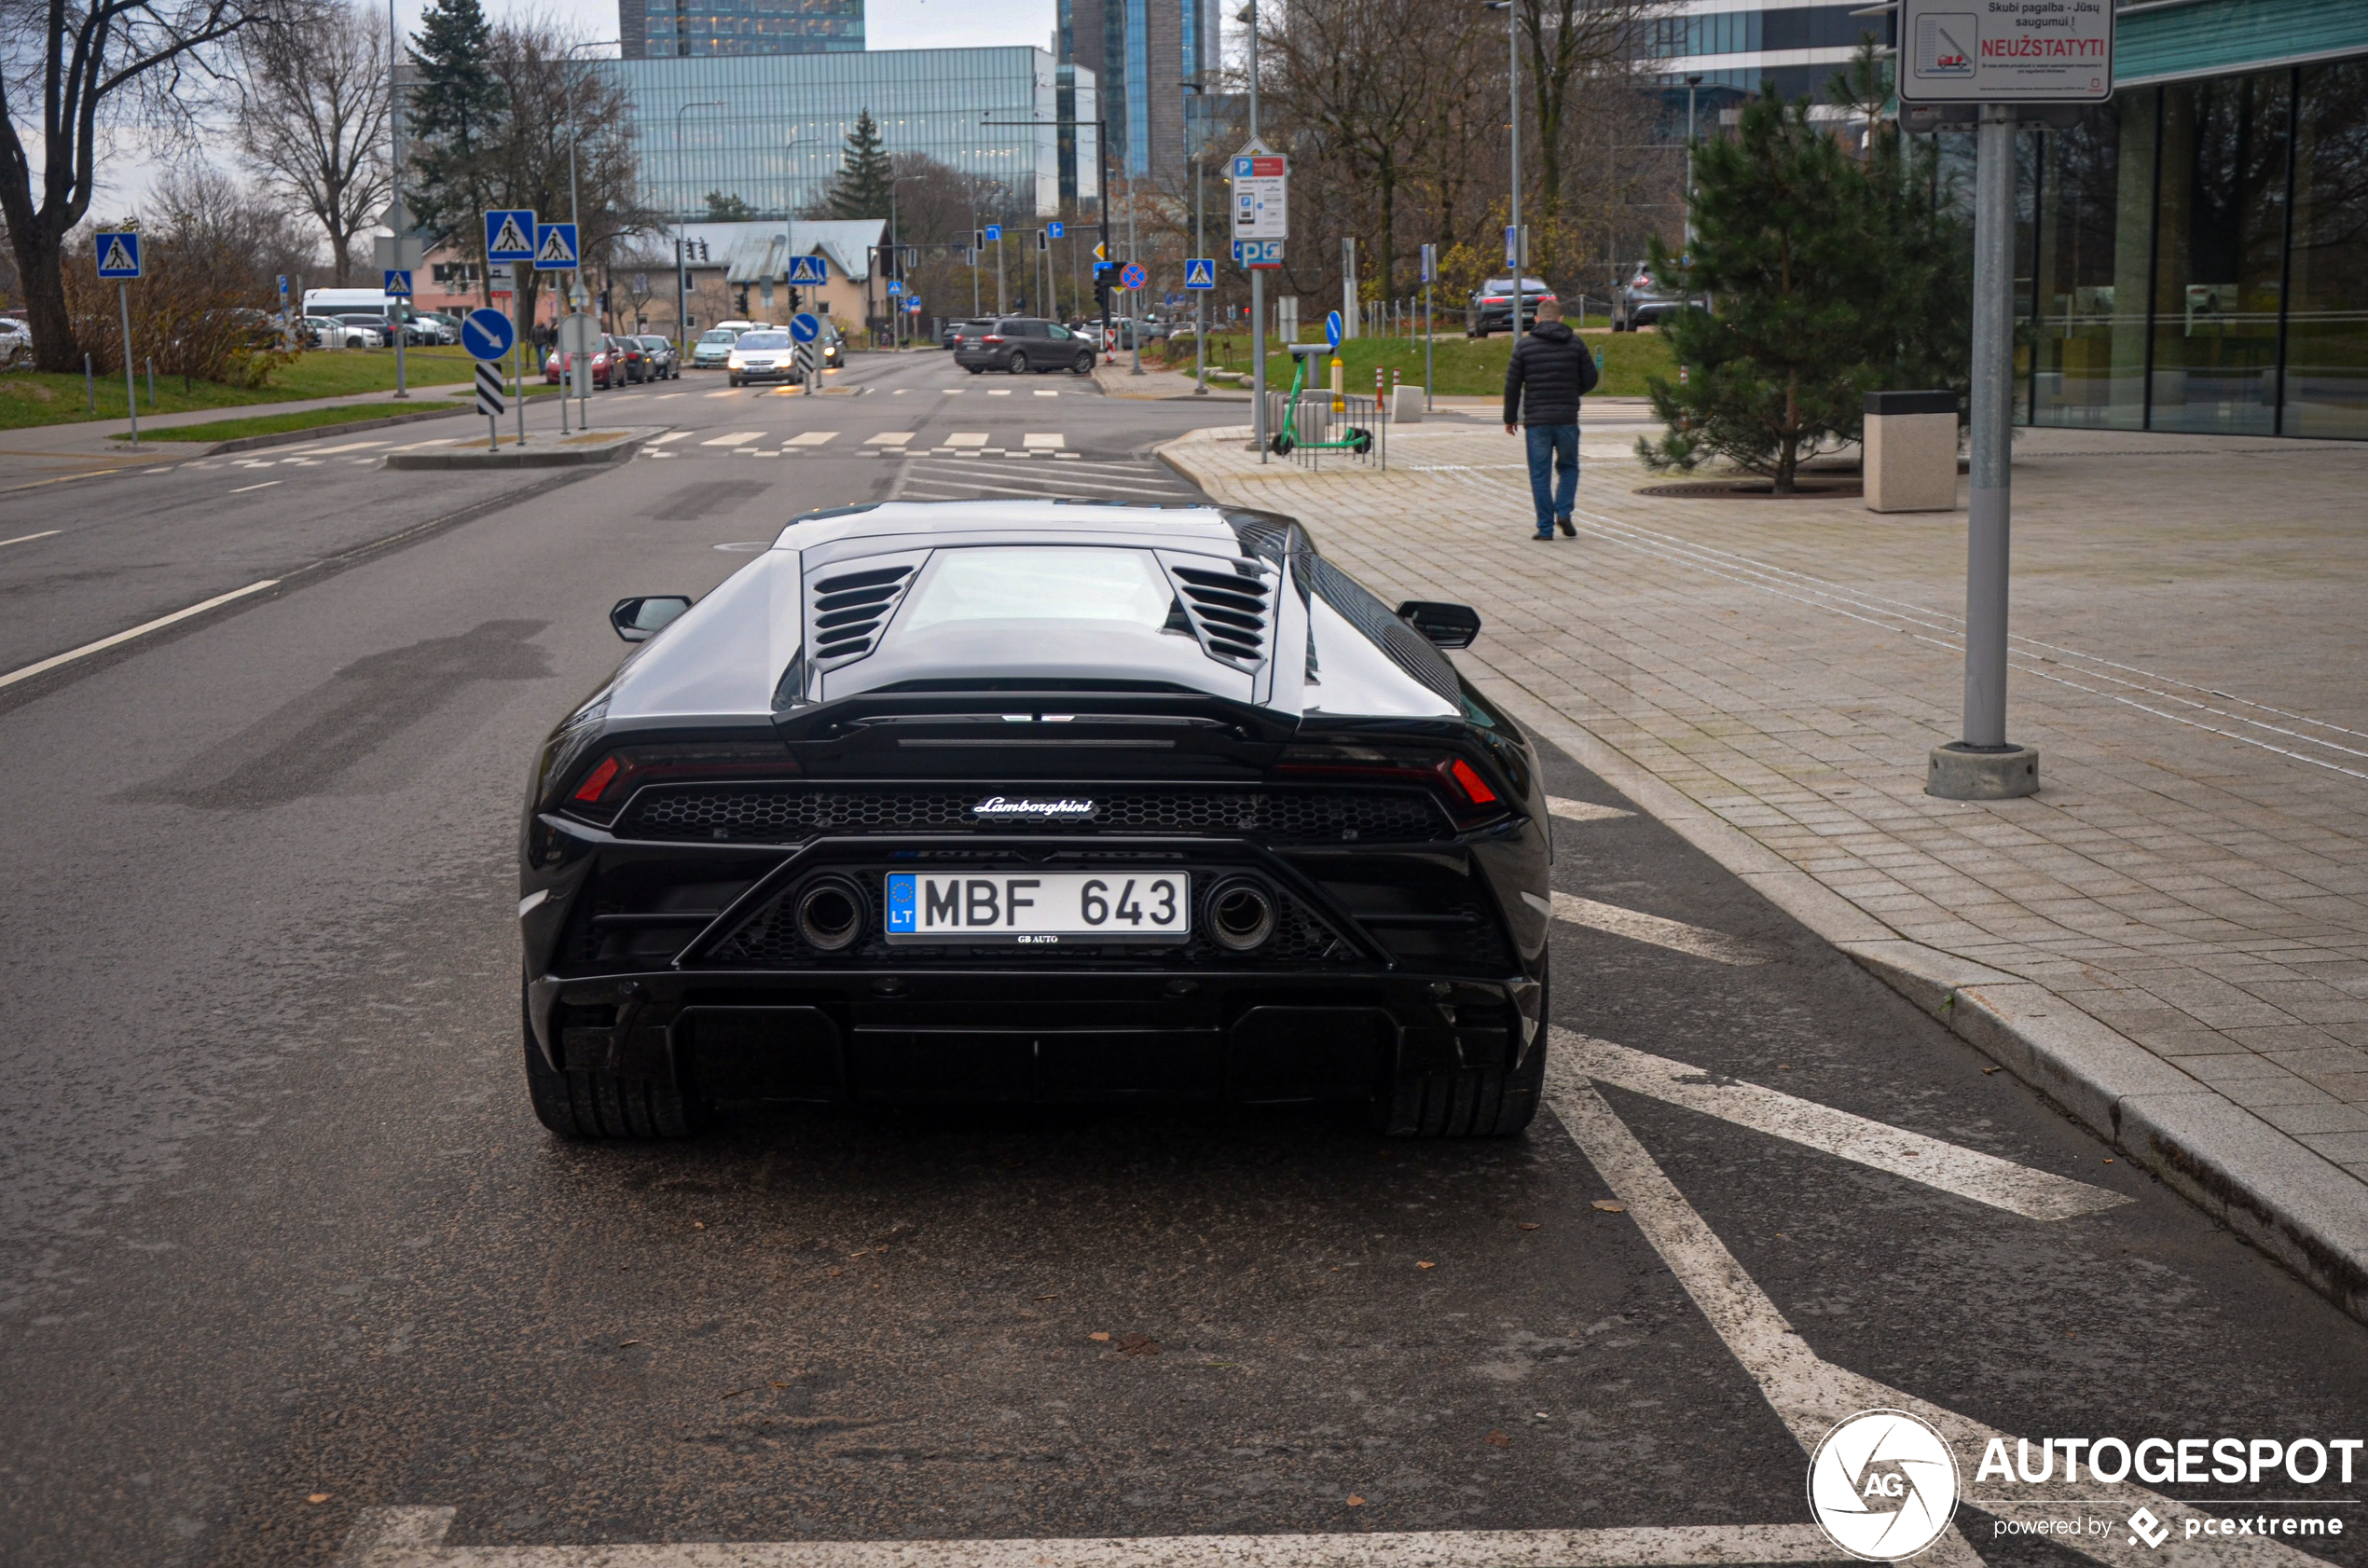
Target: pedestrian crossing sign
<point x="1200" y="273"/>
<point x="398" y="284"/>
<point x="509" y="234"/>
<point x="118" y="256"/>
<point x="555" y="247"/>
<point x="809" y="270"/>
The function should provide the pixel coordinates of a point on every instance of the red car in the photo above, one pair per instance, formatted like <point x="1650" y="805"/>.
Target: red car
<point x="607" y="366"/>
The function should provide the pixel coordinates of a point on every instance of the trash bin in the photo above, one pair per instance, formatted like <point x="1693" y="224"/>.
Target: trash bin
<point x="1911" y="451"/>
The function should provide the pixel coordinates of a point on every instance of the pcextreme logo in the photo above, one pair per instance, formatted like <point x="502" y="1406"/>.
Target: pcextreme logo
<point x="1883" y="1485"/>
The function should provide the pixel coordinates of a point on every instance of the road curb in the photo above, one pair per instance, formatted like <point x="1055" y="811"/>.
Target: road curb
<point x="2301" y="1209"/>
<point x="619" y="446"/>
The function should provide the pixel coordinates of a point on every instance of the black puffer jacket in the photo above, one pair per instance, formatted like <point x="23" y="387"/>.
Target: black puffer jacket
<point x="1555" y="369"/>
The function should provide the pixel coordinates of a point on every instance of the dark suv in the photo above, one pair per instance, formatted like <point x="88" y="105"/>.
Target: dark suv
<point x="1491" y="309"/>
<point x="1017" y="343"/>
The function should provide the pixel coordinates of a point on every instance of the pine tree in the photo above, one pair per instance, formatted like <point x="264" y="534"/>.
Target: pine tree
<point x="455" y="115"/>
<point x="1830" y="280"/>
<point x="862" y="187"/>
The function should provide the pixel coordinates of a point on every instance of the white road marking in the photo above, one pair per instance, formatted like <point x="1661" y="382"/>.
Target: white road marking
<point x="29" y="538"/>
<point x="1675" y="935"/>
<point x="1583" y="811"/>
<point x="889" y="438"/>
<point x="813" y="437"/>
<point x="265" y="486"/>
<point x="729" y="392"/>
<point x="1073" y="457"/>
<point x="417" y="445"/>
<point x="1042" y="392"/>
<point x="900" y="391"/>
<point x="348" y="447"/>
<point x="1042" y="443"/>
<point x="413" y="1537"/>
<point x="663" y="396"/>
<point x="1951" y="1167"/>
<point x="669" y="435"/>
<point x="966" y="438"/>
<point x="1810" y="1394"/>
<point x="54" y="660"/>
<point x="999" y="392"/>
<point x="738" y="438"/>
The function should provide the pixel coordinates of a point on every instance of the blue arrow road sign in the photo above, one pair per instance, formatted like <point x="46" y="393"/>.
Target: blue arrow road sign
<point x="555" y="247"/>
<point x="487" y="334"/>
<point x="284" y="285"/>
<point x="1133" y="276"/>
<point x="1056" y="230"/>
<point x="809" y="270"/>
<point x="994" y="232"/>
<point x="805" y="326"/>
<point x="509" y="234"/>
<point x="118" y="255"/>
<point x="398" y="284"/>
<point x="1333" y="329"/>
<point x="1200" y="273"/>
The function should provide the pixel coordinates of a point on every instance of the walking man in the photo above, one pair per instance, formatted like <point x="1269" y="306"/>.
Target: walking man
<point x="1550" y="372"/>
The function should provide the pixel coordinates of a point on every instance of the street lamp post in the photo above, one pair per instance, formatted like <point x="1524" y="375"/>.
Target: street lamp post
<point x="682" y="308"/>
<point x="1518" y="246"/>
<point x="1257" y="275"/>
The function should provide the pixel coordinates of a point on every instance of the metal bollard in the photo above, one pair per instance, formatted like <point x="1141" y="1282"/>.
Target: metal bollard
<point x="152" y="382"/>
<point x="89" y="385"/>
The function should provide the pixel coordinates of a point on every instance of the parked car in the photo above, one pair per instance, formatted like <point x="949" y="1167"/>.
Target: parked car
<point x="631" y="359"/>
<point x="330" y="332"/>
<point x="1017" y="343"/>
<point x="665" y="364"/>
<point x="1490" y="309"/>
<point x="16" y="342"/>
<point x="1644" y="303"/>
<point x="713" y="348"/>
<point x="950" y="336"/>
<point x="607" y="366"/>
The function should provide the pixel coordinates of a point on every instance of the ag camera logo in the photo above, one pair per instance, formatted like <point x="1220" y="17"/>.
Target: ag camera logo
<point x="1883" y="1485"/>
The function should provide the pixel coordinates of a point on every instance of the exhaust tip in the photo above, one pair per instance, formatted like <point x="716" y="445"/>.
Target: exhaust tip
<point x="1241" y="916"/>
<point x="829" y="913"/>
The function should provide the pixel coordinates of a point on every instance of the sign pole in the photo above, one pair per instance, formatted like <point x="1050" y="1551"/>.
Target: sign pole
<point x="1990" y="512"/>
<point x="131" y="399"/>
<point x="396" y="310"/>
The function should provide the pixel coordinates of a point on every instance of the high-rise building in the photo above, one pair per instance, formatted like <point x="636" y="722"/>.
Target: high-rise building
<point x="676" y="29"/>
<point x="1737" y="49"/>
<point x="1149" y="56"/>
<point x="779" y="136"/>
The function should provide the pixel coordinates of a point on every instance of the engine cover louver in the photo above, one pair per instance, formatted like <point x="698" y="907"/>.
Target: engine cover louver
<point x="1233" y="612"/>
<point x="845" y="612"/>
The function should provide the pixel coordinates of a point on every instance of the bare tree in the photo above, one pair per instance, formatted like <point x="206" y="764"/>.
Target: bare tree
<point x="1571" y="43"/>
<point x="312" y="117"/>
<point x="67" y="69"/>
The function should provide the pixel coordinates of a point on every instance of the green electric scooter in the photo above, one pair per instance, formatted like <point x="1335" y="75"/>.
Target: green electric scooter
<point x="1286" y="440"/>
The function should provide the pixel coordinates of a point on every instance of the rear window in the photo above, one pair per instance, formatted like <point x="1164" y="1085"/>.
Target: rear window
<point x="718" y="337"/>
<point x="1040" y="582"/>
<point x="764" y="340"/>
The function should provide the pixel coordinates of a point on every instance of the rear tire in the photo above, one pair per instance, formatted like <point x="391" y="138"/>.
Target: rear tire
<point x="1466" y="1101"/>
<point x="587" y="1107"/>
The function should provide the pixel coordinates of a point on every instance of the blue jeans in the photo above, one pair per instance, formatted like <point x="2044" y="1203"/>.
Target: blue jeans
<point x="1553" y="455"/>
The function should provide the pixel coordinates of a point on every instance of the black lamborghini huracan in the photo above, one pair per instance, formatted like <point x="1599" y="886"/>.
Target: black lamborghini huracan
<point x="1035" y="801"/>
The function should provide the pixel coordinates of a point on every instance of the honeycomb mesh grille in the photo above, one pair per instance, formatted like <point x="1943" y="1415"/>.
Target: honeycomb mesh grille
<point x="772" y="813"/>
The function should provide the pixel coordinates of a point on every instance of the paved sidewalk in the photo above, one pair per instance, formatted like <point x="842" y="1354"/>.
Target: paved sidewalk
<point x="2171" y="938"/>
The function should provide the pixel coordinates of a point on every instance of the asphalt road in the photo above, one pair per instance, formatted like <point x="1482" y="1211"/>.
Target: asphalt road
<point x="276" y="1224"/>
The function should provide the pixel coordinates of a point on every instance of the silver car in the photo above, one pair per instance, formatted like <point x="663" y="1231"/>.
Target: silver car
<point x="713" y="350"/>
<point x="16" y="342"/>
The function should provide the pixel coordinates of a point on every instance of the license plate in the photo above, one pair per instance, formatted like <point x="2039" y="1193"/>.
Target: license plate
<point x="1039" y="907"/>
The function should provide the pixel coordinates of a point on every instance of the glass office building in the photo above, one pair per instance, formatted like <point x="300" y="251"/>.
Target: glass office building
<point x="1150" y="58"/>
<point x="2192" y="255"/>
<point x="780" y="137"/>
<point x="695" y="29"/>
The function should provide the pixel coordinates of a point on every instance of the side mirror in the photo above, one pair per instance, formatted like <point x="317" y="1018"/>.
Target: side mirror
<point x="1448" y="626"/>
<point x="638" y="620"/>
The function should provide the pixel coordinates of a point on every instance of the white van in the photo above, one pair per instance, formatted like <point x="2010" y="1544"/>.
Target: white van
<point x="335" y="302"/>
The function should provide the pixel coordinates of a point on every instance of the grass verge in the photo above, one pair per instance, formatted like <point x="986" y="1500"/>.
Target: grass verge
<point x="36" y="397"/>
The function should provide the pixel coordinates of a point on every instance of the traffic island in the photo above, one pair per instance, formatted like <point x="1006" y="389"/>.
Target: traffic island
<point x="542" y="450"/>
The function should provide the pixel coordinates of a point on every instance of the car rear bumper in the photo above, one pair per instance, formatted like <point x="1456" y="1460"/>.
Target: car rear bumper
<point x="1046" y="1035"/>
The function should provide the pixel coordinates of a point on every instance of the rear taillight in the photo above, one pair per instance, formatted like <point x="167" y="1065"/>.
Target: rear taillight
<point x="1462" y="788"/>
<point x="611" y="781"/>
<point x="992" y="338"/>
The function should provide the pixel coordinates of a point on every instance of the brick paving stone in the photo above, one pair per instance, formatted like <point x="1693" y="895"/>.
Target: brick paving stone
<point x="2187" y="653"/>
